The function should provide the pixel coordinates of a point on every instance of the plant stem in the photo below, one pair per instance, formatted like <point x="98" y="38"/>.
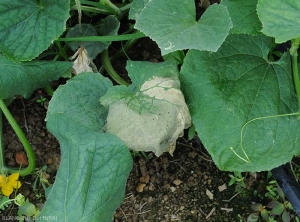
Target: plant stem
<point x="111" y="5"/>
<point x="49" y="90"/>
<point x="110" y="70"/>
<point x="104" y="38"/>
<point x="22" y="138"/>
<point x="120" y="52"/>
<point x="294" y="54"/>
<point x="2" y="162"/>
<point x="62" y="51"/>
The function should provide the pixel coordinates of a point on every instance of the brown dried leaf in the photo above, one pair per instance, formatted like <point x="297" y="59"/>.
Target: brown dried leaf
<point x="82" y="61"/>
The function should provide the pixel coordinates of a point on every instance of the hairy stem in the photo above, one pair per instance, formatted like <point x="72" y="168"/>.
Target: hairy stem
<point x="110" y="70"/>
<point x="294" y="54"/>
<point x="104" y="38"/>
<point x="22" y="138"/>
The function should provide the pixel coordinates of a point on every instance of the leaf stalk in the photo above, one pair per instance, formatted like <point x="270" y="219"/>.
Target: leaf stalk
<point x="22" y="138"/>
<point x="110" y="70"/>
<point x="294" y="54"/>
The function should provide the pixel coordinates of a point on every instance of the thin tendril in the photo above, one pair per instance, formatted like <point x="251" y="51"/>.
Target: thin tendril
<point x="252" y="120"/>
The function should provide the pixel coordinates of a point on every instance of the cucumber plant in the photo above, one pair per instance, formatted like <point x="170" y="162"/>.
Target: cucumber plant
<point x="243" y="105"/>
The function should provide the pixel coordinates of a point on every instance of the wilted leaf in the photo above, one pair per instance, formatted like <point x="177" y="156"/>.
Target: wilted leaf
<point x="153" y="117"/>
<point x="82" y="61"/>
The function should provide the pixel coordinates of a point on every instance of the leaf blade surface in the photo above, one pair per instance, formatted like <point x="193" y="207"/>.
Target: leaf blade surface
<point x="173" y="26"/>
<point x="238" y="99"/>
<point x="28" y="27"/>
<point x="91" y="180"/>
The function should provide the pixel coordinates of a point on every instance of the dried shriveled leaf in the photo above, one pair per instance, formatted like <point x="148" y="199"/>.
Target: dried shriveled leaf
<point x="160" y="119"/>
<point x="153" y="116"/>
<point x="82" y="61"/>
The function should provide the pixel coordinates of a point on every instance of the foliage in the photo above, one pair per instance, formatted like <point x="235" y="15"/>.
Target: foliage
<point x="32" y="27"/>
<point x="243" y="104"/>
<point x="277" y="208"/>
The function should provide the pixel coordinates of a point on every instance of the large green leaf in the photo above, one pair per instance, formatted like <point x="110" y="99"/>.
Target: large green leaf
<point x="173" y="26"/>
<point x="280" y="18"/>
<point x="244" y="17"/>
<point x="22" y="78"/>
<point x="239" y="99"/>
<point x="28" y="27"/>
<point x="90" y="182"/>
<point x="136" y="8"/>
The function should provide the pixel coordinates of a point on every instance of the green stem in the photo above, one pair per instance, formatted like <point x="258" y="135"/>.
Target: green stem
<point x="49" y="90"/>
<point x="24" y="141"/>
<point x="62" y="51"/>
<point x="104" y="38"/>
<point x="111" y="5"/>
<point x="2" y="162"/>
<point x="6" y="202"/>
<point x="110" y="70"/>
<point x="294" y="54"/>
<point x="123" y="50"/>
<point x="120" y="52"/>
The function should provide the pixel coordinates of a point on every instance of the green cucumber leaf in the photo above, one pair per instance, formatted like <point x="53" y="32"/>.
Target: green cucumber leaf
<point x="279" y="19"/>
<point x="28" y="27"/>
<point x="164" y="69"/>
<point x="22" y="78"/>
<point x="153" y="110"/>
<point x="239" y="99"/>
<point x="172" y="25"/>
<point x="90" y="182"/>
<point x="136" y="8"/>
<point x="109" y="26"/>
<point x="244" y="16"/>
